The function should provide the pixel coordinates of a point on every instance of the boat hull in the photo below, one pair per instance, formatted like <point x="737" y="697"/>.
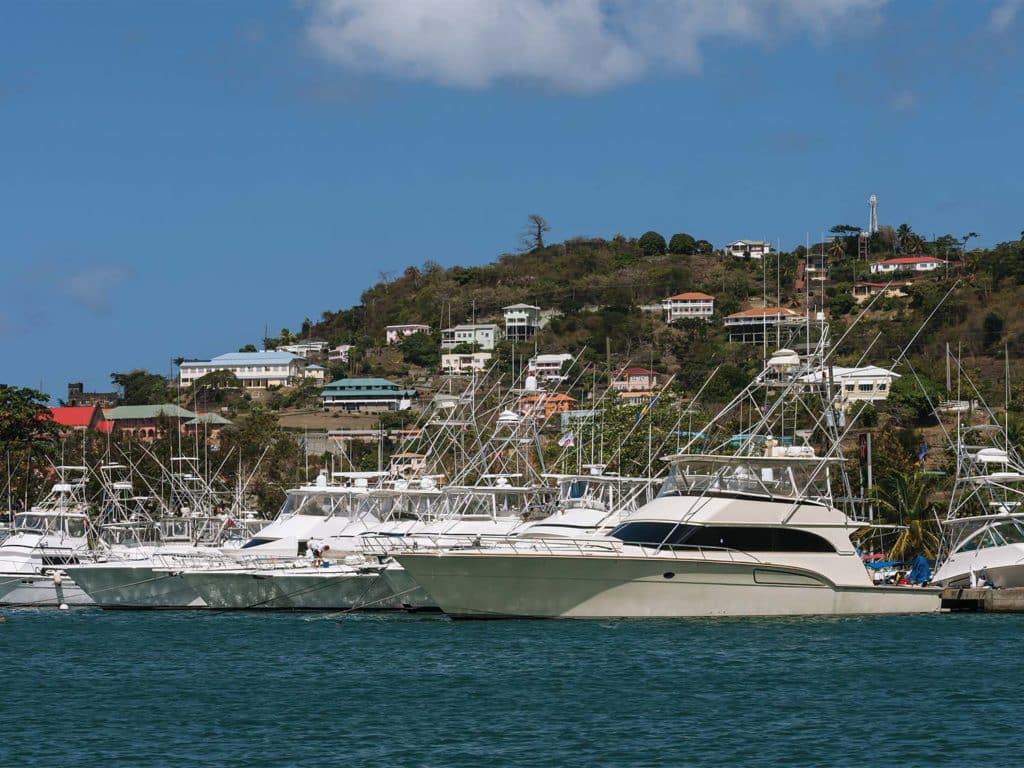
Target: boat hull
<point x="1002" y="566"/>
<point x="237" y="590"/>
<point x="138" y="587"/>
<point x="326" y="590"/>
<point x="551" y="586"/>
<point x="26" y="589"/>
<point x="407" y="591"/>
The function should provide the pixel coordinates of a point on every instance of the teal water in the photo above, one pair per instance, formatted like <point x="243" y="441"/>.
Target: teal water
<point x="91" y="688"/>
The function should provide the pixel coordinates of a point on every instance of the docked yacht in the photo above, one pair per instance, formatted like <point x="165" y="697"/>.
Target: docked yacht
<point x="752" y="530"/>
<point x="985" y="523"/>
<point x="43" y="542"/>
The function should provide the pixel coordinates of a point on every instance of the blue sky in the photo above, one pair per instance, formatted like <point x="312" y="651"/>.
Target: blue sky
<point x="179" y="176"/>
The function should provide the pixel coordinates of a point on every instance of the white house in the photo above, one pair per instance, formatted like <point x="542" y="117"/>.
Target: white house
<point x="741" y="249"/>
<point x="867" y="383"/>
<point x="395" y="333"/>
<point x="315" y="373"/>
<point x="304" y="348"/>
<point x="486" y="335"/>
<point x="906" y="264"/>
<point x="751" y="325"/>
<point x="459" y="363"/>
<point x="255" y="370"/>
<point x="340" y="353"/>
<point x="521" y="321"/>
<point x="688" y="305"/>
<point x="548" y="367"/>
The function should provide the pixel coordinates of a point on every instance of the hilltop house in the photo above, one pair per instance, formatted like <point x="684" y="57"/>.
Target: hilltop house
<point x="863" y="291"/>
<point x="366" y="396"/>
<point x="339" y="354"/>
<point x="907" y="264"/>
<point x="485" y="335"/>
<point x="688" y="305"/>
<point x="254" y="370"/>
<point x="395" y="333"/>
<point x="751" y="325"/>
<point x="521" y="321"/>
<point x="743" y="249"/>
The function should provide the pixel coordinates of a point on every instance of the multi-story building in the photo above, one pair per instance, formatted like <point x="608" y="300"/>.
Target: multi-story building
<point x="305" y="348"/>
<point x="484" y="335"/>
<point x="907" y="264"/>
<point x="752" y="325"/>
<point x="254" y="370"/>
<point x="459" y="363"/>
<point x="395" y="333"/>
<point x="147" y="422"/>
<point x="742" y="249"/>
<point x="366" y="395"/>
<point x="339" y="354"/>
<point x="636" y="380"/>
<point x="684" y="306"/>
<point x="869" y="382"/>
<point x="521" y="321"/>
<point x="548" y="367"/>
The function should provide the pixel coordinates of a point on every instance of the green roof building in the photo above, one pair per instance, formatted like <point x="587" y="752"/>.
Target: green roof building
<point x="366" y="395"/>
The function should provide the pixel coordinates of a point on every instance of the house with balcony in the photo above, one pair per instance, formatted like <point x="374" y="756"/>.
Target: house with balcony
<point x="339" y="354"/>
<point x="395" y="333"/>
<point x="863" y="292"/>
<point x="753" y="325"/>
<point x="636" y="380"/>
<point x="906" y="264"/>
<point x="868" y="383"/>
<point x="366" y="396"/>
<point x="463" y="363"/>
<point x="254" y="370"/>
<point x="685" y="306"/>
<point x="548" y="368"/>
<point x="748" y="249"/>
<point x="483" y="335"/>
<point x="521" y="321"/>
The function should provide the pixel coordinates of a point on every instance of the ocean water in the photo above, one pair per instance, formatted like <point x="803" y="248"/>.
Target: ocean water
<point x="92" y="688"/>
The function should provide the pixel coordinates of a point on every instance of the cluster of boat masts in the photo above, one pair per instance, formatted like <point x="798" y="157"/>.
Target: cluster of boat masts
<point x="732" y="528"/>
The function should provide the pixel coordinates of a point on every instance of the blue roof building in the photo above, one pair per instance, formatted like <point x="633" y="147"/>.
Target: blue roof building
<point x="254" y="370"/>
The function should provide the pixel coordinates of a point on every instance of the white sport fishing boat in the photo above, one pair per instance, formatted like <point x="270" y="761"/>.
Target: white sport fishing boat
<point x="985" y="522"/>
<point x="43" y="542"/>
<point x="747" y="531"/>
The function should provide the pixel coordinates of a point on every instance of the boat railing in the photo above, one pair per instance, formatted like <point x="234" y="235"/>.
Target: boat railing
<point x="555" y="545"/>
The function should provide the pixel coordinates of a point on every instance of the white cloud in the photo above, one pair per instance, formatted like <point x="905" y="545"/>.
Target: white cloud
<point x="575" y="45"/>
<point x="1005" y="14"/>
<point x="94" y="287"/>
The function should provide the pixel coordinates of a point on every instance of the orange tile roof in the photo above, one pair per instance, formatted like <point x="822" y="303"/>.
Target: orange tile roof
<point x="693" y="295"/>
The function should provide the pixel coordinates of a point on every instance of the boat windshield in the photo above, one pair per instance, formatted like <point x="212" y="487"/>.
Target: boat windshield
<point x="314" y="504"/>
<point x="796" y="480"/>
<point x="29" y="522"/>
<point x="75" y="526"/>
<point x="998" y="535"/>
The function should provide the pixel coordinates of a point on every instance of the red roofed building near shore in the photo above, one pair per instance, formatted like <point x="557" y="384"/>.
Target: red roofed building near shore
<point x="81" y="417"/>
<point x="907" y="263"/>
<point x="683" y="306"/>
<point x="636" y="380"/>
<point x="545" y="404"/>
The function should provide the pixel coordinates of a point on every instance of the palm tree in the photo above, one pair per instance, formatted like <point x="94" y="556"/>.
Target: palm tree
<point x="837" y="249"/>
<point x="903" y="498"/>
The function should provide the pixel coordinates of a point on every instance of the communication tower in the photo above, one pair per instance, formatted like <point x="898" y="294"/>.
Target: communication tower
<point x="873" y="218"/>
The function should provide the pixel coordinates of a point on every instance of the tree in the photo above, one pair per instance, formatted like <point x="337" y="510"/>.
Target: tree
<point x="704" y="247"/>
<point x="248" y="348"/>
<point x="992" y="329"/>
<point x="683" y="244"/>
<point x="651" y="243"/>
<point x="140" y="387"/>
<point x="422" y="349"/>
<point x="837" y="248"/>
<point x="533" y="236"/>
<point x="24" y="416"/>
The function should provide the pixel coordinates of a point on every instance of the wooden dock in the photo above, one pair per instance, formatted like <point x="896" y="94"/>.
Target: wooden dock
<point x="984" y="599"/>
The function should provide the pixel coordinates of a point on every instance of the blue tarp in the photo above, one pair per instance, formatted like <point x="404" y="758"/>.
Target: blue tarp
<point x="920" y="571"/>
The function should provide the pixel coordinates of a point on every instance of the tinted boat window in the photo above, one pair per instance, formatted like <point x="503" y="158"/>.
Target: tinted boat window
<point x="750" y="539"/>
